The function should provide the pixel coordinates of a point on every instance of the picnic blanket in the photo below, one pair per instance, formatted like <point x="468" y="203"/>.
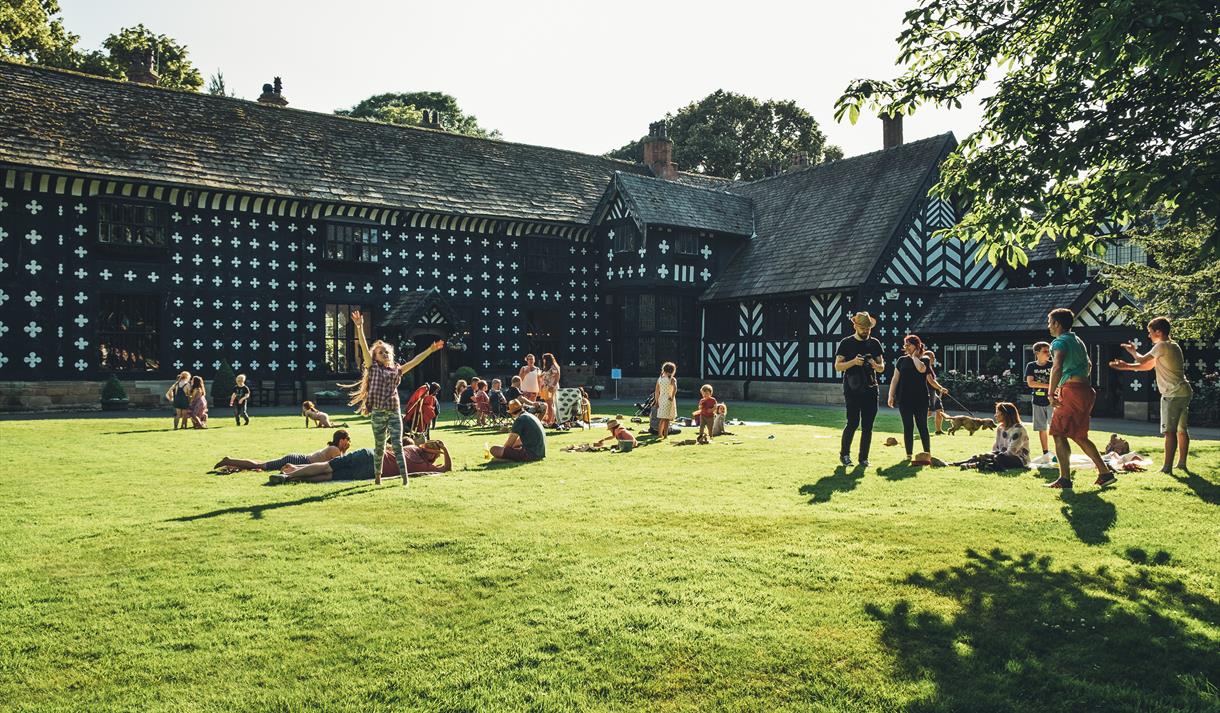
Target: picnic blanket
<point x="1128" y="462"/>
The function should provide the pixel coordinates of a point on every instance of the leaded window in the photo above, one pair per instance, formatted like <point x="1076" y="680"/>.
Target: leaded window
<point x="352" y="242"/>
<point x="686" y="244"/>
<point x="341" y="340"/>
<point x="128" y="332"/>
<point x="141" y="225"/>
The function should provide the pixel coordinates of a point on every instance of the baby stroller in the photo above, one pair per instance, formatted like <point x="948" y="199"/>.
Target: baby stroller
<point x="648" y="408"/>
<point x="644" y="408"/>
<point x="413" y="417"/>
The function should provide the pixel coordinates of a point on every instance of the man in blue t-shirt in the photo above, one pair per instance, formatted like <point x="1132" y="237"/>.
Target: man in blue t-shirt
<point x="1038" y="378"/>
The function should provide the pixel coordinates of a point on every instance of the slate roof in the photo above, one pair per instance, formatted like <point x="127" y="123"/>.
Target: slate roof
<point x="73" y="122"/>
<point x="659" y="202"/>
<point x="1017" y="310"/>
<point x="825" y="227"/>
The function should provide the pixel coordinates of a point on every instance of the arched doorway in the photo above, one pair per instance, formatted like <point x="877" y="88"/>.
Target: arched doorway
<point x="416" y="320"/>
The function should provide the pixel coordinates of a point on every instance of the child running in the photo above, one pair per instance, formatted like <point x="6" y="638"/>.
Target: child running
<point x="376" y="394"/>
<point x="180" y="395"/>
<point x="238" y="399"/>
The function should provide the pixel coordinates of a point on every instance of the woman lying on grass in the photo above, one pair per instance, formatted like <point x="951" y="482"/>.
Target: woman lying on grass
<point x="339" y="443"/>
<point x="358" y="465"/>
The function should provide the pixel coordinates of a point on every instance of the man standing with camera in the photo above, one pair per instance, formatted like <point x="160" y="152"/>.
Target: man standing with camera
<point x="859" y="359"/>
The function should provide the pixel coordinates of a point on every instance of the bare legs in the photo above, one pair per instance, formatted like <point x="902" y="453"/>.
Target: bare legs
<point x="239" y="463"/>
<point x="1178" y="443"/>
<point x="1063" y="452"/>
<point x="1041" y="437"/>
<point x="312" y="473"/>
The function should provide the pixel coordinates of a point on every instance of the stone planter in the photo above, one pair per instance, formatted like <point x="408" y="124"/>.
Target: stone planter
<point x="115" y="404"/>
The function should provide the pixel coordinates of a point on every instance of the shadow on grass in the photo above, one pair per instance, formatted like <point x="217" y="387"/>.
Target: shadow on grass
<point x="900" y="471"/>
<point x="1088" y="514"/>
<point x="1207" y="491"/>
<point x="841" y="481"/>
<point x="256" y="511"/>
<point x="146" y="430"/>
<point x="1022" y="635"/>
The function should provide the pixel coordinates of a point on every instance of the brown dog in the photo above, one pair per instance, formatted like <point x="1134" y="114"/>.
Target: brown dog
<point x="970" y="425"/>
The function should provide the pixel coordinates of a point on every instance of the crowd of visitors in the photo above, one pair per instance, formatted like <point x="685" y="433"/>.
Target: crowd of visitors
<point x="1058" y="378"/>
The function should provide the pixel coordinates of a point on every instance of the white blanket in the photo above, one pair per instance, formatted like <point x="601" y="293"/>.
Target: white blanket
<point x="1082" y="462"/>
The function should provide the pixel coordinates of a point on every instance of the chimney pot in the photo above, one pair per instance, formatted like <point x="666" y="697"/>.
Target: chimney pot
<point x="273" y="94"/>
<point x="891" y="131"/>
<point x="659" y="151"/>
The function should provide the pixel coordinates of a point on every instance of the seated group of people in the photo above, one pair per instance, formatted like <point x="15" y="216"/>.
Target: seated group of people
<point x="487" y="401"/>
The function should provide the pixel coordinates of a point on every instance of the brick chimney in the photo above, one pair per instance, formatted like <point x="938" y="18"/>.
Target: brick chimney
<point x="799" y="161"/>
<point x="273" y="94"/>
<point x="659" y="151"/>
<point x="141" y="70"/>
<point x="891" y="131"/>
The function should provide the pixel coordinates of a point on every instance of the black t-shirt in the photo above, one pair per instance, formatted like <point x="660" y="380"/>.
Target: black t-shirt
<point x="912" y="385"/>
<point x="511" y="393"/>
<point x="239" y="392"/>
<point x="1041" y="374"/>
<point x="859" y="378"/>
<point x="467" y="396"/>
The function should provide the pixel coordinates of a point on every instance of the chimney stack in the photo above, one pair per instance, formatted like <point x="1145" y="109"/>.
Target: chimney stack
<point x="273" y="94"/>
<point x="799" y="160"/>
<point x="659" y="151"/>
<point x="141" y="69"/>
<point x="891" y="131"/>
<point x="432" y="119"/>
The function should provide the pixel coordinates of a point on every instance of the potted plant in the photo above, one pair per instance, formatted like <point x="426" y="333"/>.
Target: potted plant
<point x="114" y="396"/>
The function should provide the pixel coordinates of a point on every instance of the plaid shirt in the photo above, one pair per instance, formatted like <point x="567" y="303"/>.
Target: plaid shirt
<point x="383" y="387"/>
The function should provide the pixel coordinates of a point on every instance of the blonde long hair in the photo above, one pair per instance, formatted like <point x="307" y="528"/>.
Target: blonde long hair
<point x="359" y="390"/>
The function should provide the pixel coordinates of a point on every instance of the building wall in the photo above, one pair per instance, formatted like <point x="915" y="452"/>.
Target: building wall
<point x="243" y="278"/>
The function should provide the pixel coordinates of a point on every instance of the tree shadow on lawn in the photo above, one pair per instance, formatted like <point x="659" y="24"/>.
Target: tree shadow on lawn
<point x="841" y="481"/>
<point x="256" y="511"/>
<point x="1089" y="515"/>
<point x="1026" y="636"/>
<point x="1207" y="491"/>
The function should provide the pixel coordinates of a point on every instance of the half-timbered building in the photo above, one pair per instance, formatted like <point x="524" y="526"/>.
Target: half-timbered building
<point x="144" y="231"/>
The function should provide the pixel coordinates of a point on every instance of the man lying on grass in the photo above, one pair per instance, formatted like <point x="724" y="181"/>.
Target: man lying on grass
<point x="339" y="443"/>
<point x="358" y="465"/>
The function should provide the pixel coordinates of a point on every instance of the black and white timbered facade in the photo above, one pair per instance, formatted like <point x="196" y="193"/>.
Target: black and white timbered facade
<point x="144" y="231"/>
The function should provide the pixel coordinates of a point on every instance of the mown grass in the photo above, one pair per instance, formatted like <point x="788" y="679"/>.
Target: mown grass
<point x="751" y="574"/>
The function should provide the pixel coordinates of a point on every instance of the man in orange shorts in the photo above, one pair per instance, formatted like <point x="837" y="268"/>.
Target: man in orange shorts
<point x="1072" y="396"/>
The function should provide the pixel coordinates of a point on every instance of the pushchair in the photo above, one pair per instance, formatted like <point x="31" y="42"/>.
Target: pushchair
<point x="648" y="408"/>
<point x="413" y="418"/>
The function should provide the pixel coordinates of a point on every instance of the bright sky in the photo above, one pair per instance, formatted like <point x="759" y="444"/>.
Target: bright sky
<point x="576" y="75"/>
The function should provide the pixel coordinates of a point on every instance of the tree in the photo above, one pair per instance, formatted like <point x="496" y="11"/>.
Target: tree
<point x="217" y="86"/>
<point x="32" y="32"/>
<point x="1180" y="280"/>
<point x="735" y="136"/>
<point x="173" y="68"/>
<point x="407" y="108"/>
<point x="1102" y="110"/>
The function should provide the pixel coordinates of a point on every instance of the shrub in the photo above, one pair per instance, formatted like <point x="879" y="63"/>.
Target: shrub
<point x="980" y="390"/>
<point x="465" y="373"/>
<point x="113" y="390"/>
<point x="222" y="383"/>
<point x="1205" y="406"/>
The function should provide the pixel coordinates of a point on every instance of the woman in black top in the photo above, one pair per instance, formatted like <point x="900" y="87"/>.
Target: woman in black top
<point x="913" y="374"/>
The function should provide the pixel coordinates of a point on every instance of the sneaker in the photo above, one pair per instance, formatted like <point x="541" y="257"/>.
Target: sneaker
<point x="278" y="478"/>
<point x="1106" y="479"/>
<point x="845" y="460"/>
<point x="864" y="463"/>
<point x="1059" y="484"/>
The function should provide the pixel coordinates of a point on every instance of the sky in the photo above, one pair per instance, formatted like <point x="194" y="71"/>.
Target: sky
<point x="576" y="75"/>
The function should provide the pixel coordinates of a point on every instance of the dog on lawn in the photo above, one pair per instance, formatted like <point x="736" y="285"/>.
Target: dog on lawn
<point x="969" y="424"/>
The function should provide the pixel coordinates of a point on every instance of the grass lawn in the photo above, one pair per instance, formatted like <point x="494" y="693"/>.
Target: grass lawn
<point x="751" y="574"/>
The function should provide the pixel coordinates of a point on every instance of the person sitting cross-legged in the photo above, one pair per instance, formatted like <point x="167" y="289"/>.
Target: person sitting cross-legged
<point x="527" y="442"/>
